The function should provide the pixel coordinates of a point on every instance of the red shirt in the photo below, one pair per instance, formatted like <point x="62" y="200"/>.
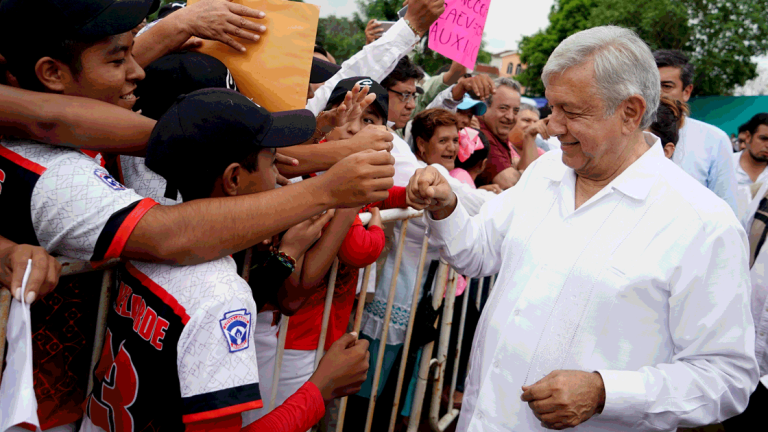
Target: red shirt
<point x="361" y="247"/>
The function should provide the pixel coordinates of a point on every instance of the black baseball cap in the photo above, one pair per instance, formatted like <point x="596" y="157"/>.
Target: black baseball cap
<point x="382" y="95"/>
<point x="322" y="71"/>
<point x="205" y="131"/>
<point x="169" y="9"/>
<point x="41" y="21"/>
<point x="176" y="74"/>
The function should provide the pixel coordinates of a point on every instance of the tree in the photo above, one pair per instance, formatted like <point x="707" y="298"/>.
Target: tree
<point x="720" y="36"/>
<point x="565" y="18"/>
<point x="341" y="36"/>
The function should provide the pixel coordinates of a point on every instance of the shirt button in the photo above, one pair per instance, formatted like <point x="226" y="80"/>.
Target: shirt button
<point x="517" y="312"/>
<point x="762" y="333"/>
<point x="496" y="364"/>
<point x="479" y="415"/>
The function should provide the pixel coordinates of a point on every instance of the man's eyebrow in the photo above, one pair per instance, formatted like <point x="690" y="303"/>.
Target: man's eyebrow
<point x="668" y="82"/>
<point x="117" y="49"/>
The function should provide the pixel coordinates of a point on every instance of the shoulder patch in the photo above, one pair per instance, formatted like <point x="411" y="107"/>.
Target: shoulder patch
<point x="108" y="179"/>
<point x="236" y="326"/>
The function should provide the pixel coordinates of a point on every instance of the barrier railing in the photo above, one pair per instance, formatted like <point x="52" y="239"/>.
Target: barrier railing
<point x="444" y="291"/>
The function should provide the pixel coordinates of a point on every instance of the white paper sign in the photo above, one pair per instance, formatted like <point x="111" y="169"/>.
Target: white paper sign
<point x="17" y="394"/>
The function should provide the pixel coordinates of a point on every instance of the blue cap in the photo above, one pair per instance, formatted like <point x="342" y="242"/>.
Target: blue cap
<point x="478" y="107"/>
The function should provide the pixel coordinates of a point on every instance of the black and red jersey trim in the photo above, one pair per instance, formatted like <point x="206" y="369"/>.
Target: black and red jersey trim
<point x="221" y="403"/>
<point x="160" y="292"/>
<point x="118" y="229"/>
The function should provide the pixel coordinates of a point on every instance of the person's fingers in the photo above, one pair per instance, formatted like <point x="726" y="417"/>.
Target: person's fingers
<point x="227" y="40"/>
<point x="245" y="11"/>
<point x="286" y="160"/>
<point x="344" y="341"/>
<point x="54" y="272"/>
<point x="537" y="391"/>
<point x="245" y="24"/>
<point x="544" y="406"/>
<point x="323" y="219"/>
<point x="18" y="267"/>
<point x="234" y="30"/>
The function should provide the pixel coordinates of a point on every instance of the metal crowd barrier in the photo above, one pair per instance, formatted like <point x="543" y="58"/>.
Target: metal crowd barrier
<point x="445" y="285"/>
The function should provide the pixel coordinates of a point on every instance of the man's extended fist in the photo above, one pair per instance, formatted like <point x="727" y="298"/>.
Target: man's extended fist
<point x="428" y="189"/>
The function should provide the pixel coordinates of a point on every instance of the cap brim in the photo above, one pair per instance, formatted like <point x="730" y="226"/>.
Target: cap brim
<point x="322" y="71"/>
<point x="419" y="90"/>
<point x="478" y="107"/>
<point x="120" y="17"/>
<point x="290" y="128"/>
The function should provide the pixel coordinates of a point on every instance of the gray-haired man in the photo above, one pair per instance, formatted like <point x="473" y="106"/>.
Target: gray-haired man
<point x="495" y="126"/>
<point x="622" y="300"/>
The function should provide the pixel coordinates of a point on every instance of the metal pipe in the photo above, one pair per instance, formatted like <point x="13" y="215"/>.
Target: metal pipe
<point x="478" y="300"/>
<point x="460" y="339"/>
<point x="442" y="352"/>
<point x="409" y="332"/>
<point x="355" y="329"/>
<point x="327" y="311"/>
<point x="385" y="329"/>
<point x="278" y="360"/>
<point x="427" y="361"/>
<point x="392" y="215"/>
<point x="107" y="282"/>
<point x="5" y="310"/>
<point x="71" y="266"/>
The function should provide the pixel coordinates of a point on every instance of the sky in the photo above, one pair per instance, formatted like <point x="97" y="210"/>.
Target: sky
<point x="508" y="20"/>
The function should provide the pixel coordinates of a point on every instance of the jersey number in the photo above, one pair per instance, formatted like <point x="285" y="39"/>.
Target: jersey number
<point x="119" y="388"/>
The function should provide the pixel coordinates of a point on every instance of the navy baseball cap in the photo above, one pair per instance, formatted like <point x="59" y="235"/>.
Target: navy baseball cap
<point x="43" y="20"/>
<point x="176" y="74"/>
<point x="477" y="107"/>
<point x="205" y="131"/>
<point x="322" y="71"/>
<point x="382" y="95"/>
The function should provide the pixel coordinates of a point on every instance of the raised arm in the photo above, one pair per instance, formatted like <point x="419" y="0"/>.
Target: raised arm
<point x="69" y="121"/>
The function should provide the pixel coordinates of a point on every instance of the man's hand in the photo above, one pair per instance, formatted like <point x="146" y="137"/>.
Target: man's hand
<point x="565" y="398"/>
<point x="43" y="278"/>
<point x="299" y="238"/>
<point x="372" y="138"/>
<point x="343" y="369"/>
<point x="427" y="189"/>
<point x="355" y="102"/>
<point x="537" y="128"/>
<point x="454" y="74"/>
<point x="375" y="218"/>
<point x="373" y="31"/>
<point x="422" y="13"/>
<point x="507" y="178"/>
<point x="220" y="20"/>
<point x="360" y="178"/>
<point x="479" y="87"/>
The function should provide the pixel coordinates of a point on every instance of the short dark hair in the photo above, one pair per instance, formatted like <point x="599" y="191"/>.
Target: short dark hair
<point x="321" y="50"/>
<point x="203" y="187"/>
<point x="425" y="123"/>
<point x="404" y="70"/>
<point x="677" y="59"/>
<point x="754" y="123"/>
<point x="669" y="118"/>
<point x="21" y="64"/>
<point x="743" y="128"/>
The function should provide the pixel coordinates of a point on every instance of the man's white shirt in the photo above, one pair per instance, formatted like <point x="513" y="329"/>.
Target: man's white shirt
<point x="646" y="283"/>
<point x="744" y="183"/>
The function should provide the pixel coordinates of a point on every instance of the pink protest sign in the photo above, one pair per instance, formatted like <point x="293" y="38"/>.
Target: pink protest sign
<point x="459" y="30"/>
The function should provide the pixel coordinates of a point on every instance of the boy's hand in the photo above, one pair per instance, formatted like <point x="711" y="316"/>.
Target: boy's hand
<point x="43" y="278"/>
<point x="375" y="218"/>
<point x="359" y="179"/>
<point x="343" y="369"/>
<point x="299" y="238"/>
<point x="220" y="20"/>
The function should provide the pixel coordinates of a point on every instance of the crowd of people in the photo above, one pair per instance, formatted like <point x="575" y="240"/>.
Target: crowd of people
<point x="626" y="236"/>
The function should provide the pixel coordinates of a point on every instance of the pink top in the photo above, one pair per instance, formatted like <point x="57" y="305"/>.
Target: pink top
<point x="463" y="176"/>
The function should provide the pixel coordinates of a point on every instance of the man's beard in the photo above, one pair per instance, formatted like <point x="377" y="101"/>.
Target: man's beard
<point x="761" y="159"/>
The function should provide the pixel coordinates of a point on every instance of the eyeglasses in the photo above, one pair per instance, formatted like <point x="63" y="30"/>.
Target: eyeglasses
<point x="405" y="97"/>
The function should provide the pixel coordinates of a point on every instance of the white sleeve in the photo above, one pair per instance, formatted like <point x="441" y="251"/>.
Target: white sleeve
<point x="216" y="357"/>
<point x="714" y="369"/>
<point x="80" y="211"/>
<point x="444" y="100"/>
<point x="375" y="60"/>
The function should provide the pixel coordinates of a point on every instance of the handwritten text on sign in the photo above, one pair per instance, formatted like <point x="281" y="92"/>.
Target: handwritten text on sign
<point x="459" y="30"/>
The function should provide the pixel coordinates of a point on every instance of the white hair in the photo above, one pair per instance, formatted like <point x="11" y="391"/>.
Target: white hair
<point x="504" y="82"/>
<point x="624" y="66"/>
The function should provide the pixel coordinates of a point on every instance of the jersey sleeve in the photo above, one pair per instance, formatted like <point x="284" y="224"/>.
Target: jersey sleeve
<point x="79" y="210"/>
<point x="298" y="413"/>
<point x="218" y="373"/>
<point x="396" y="199"/>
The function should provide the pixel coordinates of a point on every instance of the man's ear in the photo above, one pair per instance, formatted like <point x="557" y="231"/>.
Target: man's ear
<point x="632" y="111"/>
<point x="669" y="150"/>
<point x="230" y="180"/>
<point x="53" y="74"/>
<point x="687" y="92"/>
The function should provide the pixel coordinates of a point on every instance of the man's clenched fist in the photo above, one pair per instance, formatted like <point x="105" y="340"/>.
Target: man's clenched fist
<point x="428" y="189"/>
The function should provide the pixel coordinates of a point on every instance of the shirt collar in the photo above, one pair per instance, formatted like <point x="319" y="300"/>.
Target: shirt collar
<point x="636" y="181"/>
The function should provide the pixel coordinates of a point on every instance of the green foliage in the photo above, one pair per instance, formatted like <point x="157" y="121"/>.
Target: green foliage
<point x="163" y="3"/>
<point x="340" y="36"/>
<point x="721" y="36"/>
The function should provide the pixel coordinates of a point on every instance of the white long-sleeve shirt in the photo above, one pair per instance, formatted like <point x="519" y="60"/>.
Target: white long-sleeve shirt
<point x="646" y="283"/>
<point x="375" y="60"/>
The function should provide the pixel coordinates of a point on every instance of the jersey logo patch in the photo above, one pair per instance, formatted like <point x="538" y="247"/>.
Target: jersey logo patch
<point x="236" y="326"/>
<point x="108" y="179"/>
